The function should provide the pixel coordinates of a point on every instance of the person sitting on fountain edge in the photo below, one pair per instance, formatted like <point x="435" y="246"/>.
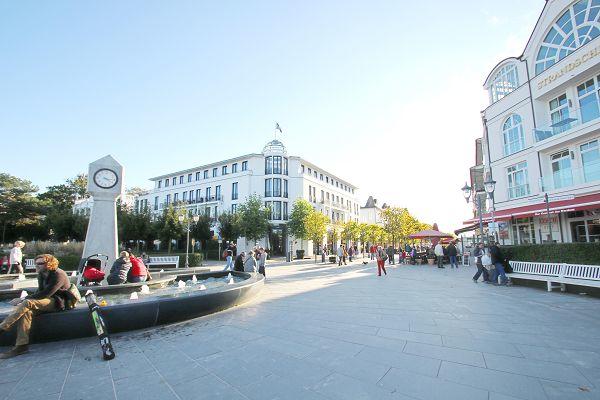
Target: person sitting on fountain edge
<point x="52" y="295"/>
<point x="119" y="269"/>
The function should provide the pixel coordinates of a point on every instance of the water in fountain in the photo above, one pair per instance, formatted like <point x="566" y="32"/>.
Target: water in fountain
<point x="24" y="294"/>
<point x="134" y="296"/>
<point x="202" y="287"/>
<point x="194" y="279"/>
<point x="231" y="281"/>
<point x="180" y="284"/>
<point x="145" y="289"/>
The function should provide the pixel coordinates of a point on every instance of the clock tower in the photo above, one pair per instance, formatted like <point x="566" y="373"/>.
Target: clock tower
<point x="105" y="184"/>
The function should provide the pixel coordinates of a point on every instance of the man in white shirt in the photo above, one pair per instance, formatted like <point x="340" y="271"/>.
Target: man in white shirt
<point x="16" y="258"/>
<point x="439" y="252"/>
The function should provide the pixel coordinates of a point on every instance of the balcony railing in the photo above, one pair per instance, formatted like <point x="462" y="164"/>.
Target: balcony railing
<point x="571" y="177"/>
<point x="572" y="119"/>
<point x="518" y="191"/>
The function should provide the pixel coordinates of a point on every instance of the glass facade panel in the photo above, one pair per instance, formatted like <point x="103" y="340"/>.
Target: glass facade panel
<point x="588" y="101"/>
<point x="590" y="158"/>
<point x="559" y="114"/>
<point x="277" y="187"/>
<point x="268" y="187"/>
<point x="268" y="165"/>
<point x="561" y="169"/>
<point x="277" y="164"/>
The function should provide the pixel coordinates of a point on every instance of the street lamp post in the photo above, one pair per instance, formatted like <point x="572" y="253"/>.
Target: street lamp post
<point x="467" y="192"/>
<point x="490" y="187"/>
<point x="181" y="218"/>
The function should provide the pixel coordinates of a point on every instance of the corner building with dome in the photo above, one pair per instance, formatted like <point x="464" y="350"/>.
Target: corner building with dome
<point x="542" y="131"/>
<point x="278" y="178"/>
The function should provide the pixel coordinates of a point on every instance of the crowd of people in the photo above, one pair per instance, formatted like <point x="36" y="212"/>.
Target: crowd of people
<point x="254" y="260"/>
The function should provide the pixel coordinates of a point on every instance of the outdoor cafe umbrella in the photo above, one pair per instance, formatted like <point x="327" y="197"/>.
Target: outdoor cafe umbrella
<point x="430" y="234"/>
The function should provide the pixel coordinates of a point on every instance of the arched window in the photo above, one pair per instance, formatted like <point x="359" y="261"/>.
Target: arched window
<point x="575" y="27"/>
<point x="512" y="134"/>
<point x="505" y="81"/>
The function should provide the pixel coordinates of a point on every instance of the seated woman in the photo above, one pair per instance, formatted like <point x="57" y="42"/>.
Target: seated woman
<point x="139" y="271"/>
<point x="119" y="269"/>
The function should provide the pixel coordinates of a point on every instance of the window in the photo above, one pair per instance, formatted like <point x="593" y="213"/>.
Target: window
<point x="322" y="196"/>
<point x="505" y="81"/>
<point x="561" y="169"/>
<point x="302" y="168"/>
<point x="268" y="187"/>
<point x="156" y="203"/>
<point x="512" y="134"/>
<point x="167" y="182"/>
<point x="244" y="165"/>
<point x="276" y="214"/>
<point x="517" y="180"/>
<point x="206" y="174"/>
<point x="285" y="166"/>
<point x="327" y="196"/>
<point x="277" y="187"/>
<point x="321" y="177"/>
<point x="175" y="197"/>
<point x="590" y="158"/>
<point x="285" y="188"/>
<point x="577" y="26"/>
<point x="218" y="192"/>
<point x="277" y="166"/>
<point x="189" y="177"/>
<point x="285" y="211"/>
<point x="174" y="182"/>
<point x="159" y="184"/>
<point x="208" y="190"/>
<point x="214" y="172"/>
<point x="207" y="211"/>
<point x="184" y="196"/>
<point x="588" y="100"/>
<point x="198" y="175"/>
<point x="234" y="191"/>
<point x="191" y="196"/>
<point x="268" y="206"/>
<point x="559" y="114"/>
<point x="326" y="179"/>
<point x="233" y="208"/>
<point x="310" y="171"/>
<point x="198" y="195"/>
<point x="268" y="165"/>
<point x="523" y="231"/>
<point x="233" y="168"/>
<point x="168" y="199"/>
<point x="337" y="184"/>
<point x="224" y="170"/>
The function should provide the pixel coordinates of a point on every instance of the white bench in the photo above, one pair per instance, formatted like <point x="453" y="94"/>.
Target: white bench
<point x="29" y="264"/>
<point x="164" y="261"/>
<point x="562" y="274"/>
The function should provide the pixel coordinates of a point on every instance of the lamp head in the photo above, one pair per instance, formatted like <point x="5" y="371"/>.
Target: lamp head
<point x="490" y="186"/>
<point x="467" y="191"/>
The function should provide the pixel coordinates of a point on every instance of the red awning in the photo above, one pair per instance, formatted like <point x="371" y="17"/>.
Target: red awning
<point x="579" y="203"/>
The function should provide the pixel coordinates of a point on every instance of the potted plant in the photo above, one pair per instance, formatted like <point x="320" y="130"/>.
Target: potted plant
<point x="431" y="259"/>
<point x="300" y="254"/>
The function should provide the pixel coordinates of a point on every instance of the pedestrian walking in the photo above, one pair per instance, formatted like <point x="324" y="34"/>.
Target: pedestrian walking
<point x="262" y="261"/>
<point x="390" y="253"/>
<point x="372" y="251"/>
<point x="452" y="252"/>
<point x="341" y="252"/>
<point x="229" y="260"/>
<point x="381" y="257"/>
<point x="497" y="260"/>
<point x="16" y="258"/>
<point x="438" y="250"/>
<point x="350" y="253"/>
<point x="478" y="254"/>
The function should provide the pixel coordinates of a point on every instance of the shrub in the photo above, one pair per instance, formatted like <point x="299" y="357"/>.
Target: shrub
<point x="195" y="259"/>
<point x="69" y="263"/>
<point x="569" y="253"/>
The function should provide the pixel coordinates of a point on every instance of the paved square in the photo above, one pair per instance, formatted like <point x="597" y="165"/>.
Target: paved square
<point x="323" y="332"/>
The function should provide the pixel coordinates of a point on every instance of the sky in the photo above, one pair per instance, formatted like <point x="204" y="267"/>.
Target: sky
<point x="384" y="94"/>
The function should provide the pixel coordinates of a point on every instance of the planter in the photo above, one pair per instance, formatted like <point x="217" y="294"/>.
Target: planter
<point x="419" y="261"/>
<point x="431" y="261"/>
<point x="299" y="254"/>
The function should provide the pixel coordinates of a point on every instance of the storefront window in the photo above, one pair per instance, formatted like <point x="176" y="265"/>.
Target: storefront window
<point x="523" y="231"/>
<point x="586" y="228"/>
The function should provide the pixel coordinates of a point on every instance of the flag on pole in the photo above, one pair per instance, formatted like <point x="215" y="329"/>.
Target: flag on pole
<point x="277" y="127"/>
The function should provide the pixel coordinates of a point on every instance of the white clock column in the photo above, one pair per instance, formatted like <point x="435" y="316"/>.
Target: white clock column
<point x="105" y="184"/>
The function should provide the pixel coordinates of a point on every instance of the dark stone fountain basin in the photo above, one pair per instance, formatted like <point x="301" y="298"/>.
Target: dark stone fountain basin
<point x="150" y="312"/>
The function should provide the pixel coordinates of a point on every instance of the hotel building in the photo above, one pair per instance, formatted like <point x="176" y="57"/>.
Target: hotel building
<point x="542" y="131"/>
<point x="280" y="180"/>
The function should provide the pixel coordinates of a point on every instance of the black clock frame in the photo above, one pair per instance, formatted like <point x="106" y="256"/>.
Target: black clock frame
<point x="106" y="187"/>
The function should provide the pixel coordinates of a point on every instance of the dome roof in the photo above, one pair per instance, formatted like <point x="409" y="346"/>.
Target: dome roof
<point x="274" y="147"/>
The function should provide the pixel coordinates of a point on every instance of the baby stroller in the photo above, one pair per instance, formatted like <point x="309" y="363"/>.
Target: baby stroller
<point x="91" y="270"/>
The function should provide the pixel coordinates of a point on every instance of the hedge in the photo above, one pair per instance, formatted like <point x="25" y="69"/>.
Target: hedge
<point x="569" y="253"/>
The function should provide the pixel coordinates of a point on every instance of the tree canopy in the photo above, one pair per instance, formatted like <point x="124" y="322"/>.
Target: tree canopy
<point x="254" y="218"/>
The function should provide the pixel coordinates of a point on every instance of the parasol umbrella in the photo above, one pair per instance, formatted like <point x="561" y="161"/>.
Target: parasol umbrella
<point x="430" y="234"/>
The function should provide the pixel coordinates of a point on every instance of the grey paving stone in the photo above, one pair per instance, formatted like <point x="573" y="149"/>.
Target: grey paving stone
<point x="523" y="387"/>
<point x="354" y="367"/>
<point x="88" y="387"/>
<point x="337" y="386"/>
<point x="206" y="387"/>
<point x="428" y="388"/>
<point x="536" y="368"/>
<point x="422" y="365"/>
<point x="562" y="391"/>
<point x="148" y="387"/>
<point x="481" y="345"/>
<point x="445" y="353"/>
<point x="273" y="387"/>
<point x="410" y="336"/>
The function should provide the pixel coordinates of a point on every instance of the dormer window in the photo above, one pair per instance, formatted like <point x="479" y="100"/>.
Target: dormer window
<point x="505" y="81"/>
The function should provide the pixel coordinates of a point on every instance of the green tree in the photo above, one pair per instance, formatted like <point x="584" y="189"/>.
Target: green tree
<point x="362" y="235"/>
<point x="393" y="220"/>
<point x="297" y="222"/>
<point x="350" y="231"/>
<point x="169" y="227"/>
<point x="62" y="197"/>
<point x="18" y="205"/>
<point x="254" y="218"/>
<point x="229" y="226"/>
<point x="201" y="230"/>
<point x="315" y="226"/>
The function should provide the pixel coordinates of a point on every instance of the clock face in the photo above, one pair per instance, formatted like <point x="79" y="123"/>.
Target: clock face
<point x="105" y="178"/>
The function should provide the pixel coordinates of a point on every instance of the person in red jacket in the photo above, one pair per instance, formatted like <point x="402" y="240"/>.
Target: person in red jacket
<point x="138" y="271"/>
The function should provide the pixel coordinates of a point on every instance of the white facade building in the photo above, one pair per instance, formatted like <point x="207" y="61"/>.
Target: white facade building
<point x="84" y="205"/>
<point x="542" y="130"/>
<point x="370" y="213"/>
<point x="279" y="179"/>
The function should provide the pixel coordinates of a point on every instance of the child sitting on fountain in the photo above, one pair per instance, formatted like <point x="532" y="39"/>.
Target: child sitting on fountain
<point x="138" y="272"/>
<point x="119" y="269"/>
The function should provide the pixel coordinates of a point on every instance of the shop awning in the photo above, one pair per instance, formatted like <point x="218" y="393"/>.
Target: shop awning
<point x="579" y="203"/>
<point x="467" y="229"/>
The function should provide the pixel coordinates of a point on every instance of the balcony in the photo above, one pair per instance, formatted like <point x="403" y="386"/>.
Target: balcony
<point x="571" y="177"/>
<point x="572" y="118"/>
